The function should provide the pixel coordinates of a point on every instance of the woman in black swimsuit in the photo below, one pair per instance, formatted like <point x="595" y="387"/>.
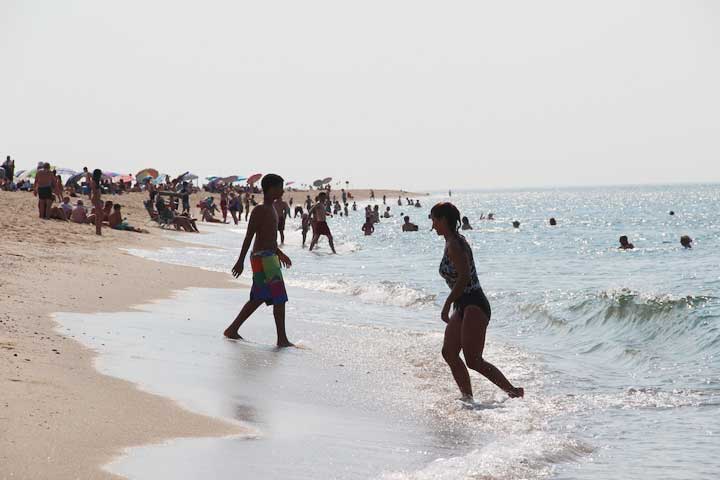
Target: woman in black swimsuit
<point x="467" y="325"/>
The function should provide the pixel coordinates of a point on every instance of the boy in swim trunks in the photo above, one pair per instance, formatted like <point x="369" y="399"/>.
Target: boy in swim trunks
<point x="266" y="259"/>
<point x="320" y="227"/>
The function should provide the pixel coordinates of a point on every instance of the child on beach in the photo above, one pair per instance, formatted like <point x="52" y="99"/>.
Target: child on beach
<point x="305" y="226"/>
<point x="266" y="259"/>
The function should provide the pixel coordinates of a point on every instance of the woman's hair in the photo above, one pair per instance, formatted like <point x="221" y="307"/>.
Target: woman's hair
<point x="465" y="220"/>
<point x="449" y="212"/>
<point x="97" y="176"/>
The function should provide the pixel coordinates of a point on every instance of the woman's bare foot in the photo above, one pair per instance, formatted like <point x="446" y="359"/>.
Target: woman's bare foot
<point x="232" y="335"/>
<point x="285" y="343"/>
<point x="518" y="392"/>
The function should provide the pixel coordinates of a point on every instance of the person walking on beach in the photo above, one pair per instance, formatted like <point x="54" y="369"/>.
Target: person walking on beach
<point x="95" y="183"/>
<point x="44" y="189"/>
<point x="281" y="208"/>
<point x="266" y="261"/>
<point x="246" y="202"/>
<point x="467" y="326"/>
<point x="318" y="214"/>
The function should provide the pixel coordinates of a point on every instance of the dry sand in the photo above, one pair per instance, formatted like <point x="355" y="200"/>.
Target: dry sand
<point x="59" y="417"/>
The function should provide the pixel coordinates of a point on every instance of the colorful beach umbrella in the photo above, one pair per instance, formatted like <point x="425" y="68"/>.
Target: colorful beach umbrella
<point x="289" y="183"/>
<point x="254" y="178"/>
<point x="147" y="172"/>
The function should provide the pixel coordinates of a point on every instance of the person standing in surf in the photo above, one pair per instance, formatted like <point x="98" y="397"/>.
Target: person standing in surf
<point x="467" y="326"/>
<point x="318" y="214"/>
<point x="266" y="259"/>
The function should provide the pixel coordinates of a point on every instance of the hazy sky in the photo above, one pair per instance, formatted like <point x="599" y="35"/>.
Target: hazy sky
<point x="412" y="94"/>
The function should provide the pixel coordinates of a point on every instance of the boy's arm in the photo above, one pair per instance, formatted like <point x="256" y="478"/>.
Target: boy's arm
<point x="249" y="234"/>
<point x="284" y="259"/>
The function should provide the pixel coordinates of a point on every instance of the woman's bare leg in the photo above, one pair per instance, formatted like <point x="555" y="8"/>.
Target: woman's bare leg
<point x="451" y="354"/>
<point x="474" y="326"/>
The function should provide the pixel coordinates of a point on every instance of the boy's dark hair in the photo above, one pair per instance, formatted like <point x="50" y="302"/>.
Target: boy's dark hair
<point x="116" y="206"/>
<point x="271" y="180"/>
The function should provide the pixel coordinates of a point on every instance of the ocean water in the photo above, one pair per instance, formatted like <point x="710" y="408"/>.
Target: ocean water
<point x="618" y="351"/>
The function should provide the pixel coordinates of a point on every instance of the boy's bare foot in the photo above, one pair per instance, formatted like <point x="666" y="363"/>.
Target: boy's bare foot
<point x="516" y="393"/>
<point x="232" y="335"/>
<point x="285" y="343"/>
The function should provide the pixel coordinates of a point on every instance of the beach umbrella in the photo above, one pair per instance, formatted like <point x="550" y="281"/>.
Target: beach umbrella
<point x="318" y="183"/>
<point x="19" y="173"/>
<point x="147" y="172"/>
<point x="126" y="178"/>
<point x="211" y="178"/>
<point x="327" y="180"/>
<point x="189" y="176"/>
<point x="160" y="179"/>
<point x="289" y="183"/>
<point x="254" y="178"/>
<point x="65" y="171"/>
<point x="110" y="174"/>
<point x="230" y="179"/>
<point x="74" y="179"/>
<point x="241" y="179"/>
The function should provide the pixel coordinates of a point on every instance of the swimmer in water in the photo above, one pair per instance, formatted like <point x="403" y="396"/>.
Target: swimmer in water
<point x="625" y="244"/>
<point x="407" y="226"/>
<point x="686" y="241"/>
<point x="368" y="227"/>
<point x="466" y="224"/>
<point x="467" y="325"/>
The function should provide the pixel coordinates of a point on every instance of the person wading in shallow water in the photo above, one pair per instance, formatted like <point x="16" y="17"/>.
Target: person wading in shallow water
<point x="467" y="325"/>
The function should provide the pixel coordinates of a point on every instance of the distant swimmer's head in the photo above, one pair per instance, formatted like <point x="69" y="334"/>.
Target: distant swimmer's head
<point x="272" y="186"/>
<point x="553" y="222"/>
<point x="672" y="213"/>
<point x="686" y="241"/>
<point x="406" y="219"/>
<point x="516" y="224"/>
<point x="445" y="218"/>
<point x="465" y="221"/>
<point x="625" y="243"/>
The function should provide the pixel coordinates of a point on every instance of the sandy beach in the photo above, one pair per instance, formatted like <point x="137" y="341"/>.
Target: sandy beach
<point x="59" y="416"/>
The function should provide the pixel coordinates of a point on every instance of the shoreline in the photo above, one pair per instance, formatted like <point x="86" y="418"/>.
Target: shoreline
<point x="57" y="405"/>
<point x="59" y="413"/>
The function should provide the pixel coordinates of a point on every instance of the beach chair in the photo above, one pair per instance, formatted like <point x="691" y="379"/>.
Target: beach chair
<point x="162" y="221"/>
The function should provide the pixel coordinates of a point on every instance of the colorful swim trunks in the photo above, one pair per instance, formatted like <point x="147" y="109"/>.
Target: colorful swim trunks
<point x="268" y="285"/>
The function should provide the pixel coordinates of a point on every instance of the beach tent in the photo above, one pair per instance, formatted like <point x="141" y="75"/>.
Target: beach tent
<point x="147" y="172"/>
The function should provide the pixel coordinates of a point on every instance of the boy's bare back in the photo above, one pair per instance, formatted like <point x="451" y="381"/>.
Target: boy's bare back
<point x="264" y="224"/>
